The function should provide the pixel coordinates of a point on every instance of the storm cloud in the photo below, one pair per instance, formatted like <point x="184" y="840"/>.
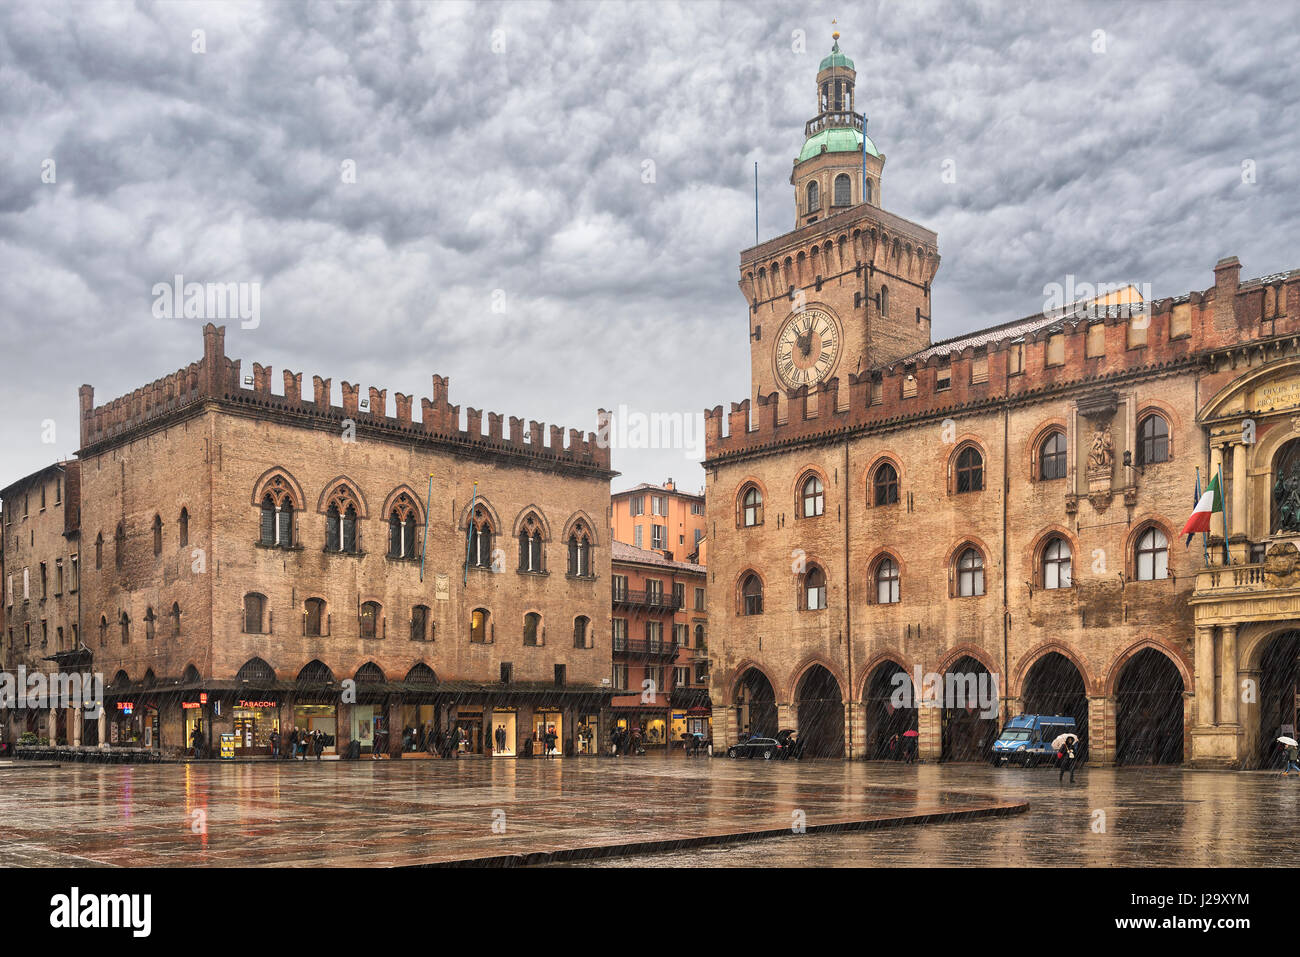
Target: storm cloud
<point x="550" y="199"/>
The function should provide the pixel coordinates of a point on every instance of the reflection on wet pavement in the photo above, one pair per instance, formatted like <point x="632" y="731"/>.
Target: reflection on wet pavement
<point x="428" y="812"/>
<point x="396" y="813"/>
<point x="1122" y="817"/>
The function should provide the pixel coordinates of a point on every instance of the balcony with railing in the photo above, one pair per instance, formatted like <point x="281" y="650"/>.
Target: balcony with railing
<point x="645" y="648"/>
<point x="647" y="600"/>
<point x="834" y="119"/>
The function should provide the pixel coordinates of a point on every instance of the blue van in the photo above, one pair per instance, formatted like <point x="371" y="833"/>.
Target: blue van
<point x="1027" y="739"/>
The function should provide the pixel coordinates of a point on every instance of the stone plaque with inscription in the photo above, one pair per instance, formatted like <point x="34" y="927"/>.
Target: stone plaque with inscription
<point x="1282" y="394"/>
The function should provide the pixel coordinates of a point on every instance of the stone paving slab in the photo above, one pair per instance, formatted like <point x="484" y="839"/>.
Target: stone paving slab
<point x="304" y="814"/>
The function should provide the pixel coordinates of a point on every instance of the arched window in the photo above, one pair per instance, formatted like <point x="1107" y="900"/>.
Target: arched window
<point x="970" y="573"/>
<point x="886" y="582"/>
<point x="813" y="497"/>
<point x="1152" y="555"/>
<point x="119" y="545"/>
<point x="125" y="623"/>
<point x="532" y="628"/>
<point x="530" y="544"/>
<point x="402" y="528"/>
<point x="267" y="536"/>
<point x="176" y="620"/>
<point x="157" y="535"/>
<point x="580" y="551"/>
<point x="184" y="527"/>
<point x="1153" y="440"/>
<point x="812" y="197"/>
<point x="99" y="551"/>
<point x="480" y="539"/>
<point x="814" y="584"/>
<point x="843" y="190"/>
<point x="1056" y="564"/>
<point x="871" y="193"/>
<point x="480" y="623"/>
<point x="751" y="595"/>
<point x="885" y="485"/>
<point x="370" y="616"/>
<point x="1051" y="457"/>
<point x="254" y="613"/>
<point x="103" y="629"/>
<point x="420" y="623"/>
<point x="884" y="300"/>
<point x="341" y="522"/>
<point x="582" y="632"/>
<point x="314" y="619"/>
<point x="970" y="470"/>
<point x="752" y="507"/>
<point x="149" y="621"/>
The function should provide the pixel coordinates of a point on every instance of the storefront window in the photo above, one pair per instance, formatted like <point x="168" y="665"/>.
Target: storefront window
<point x="503" y="734"/>
<point x="254" y="720"/>
<point x="317" y="717"/>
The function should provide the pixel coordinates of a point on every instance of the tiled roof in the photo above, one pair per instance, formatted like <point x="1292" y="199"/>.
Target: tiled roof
<point x="651" y="487"/>
<point x="623" y="552"/>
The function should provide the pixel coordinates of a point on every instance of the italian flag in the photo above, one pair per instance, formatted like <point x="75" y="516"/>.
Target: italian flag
<point x="1207" y="505"/>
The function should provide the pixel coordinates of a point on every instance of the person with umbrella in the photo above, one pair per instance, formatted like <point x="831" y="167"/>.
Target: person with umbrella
<point x="1066" y="746"/>
<point x="909" y="746"/>
<point x="1292" y="755"/>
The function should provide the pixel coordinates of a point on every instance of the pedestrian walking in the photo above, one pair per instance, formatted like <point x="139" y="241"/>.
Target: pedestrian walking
<point x="275" y="744"/>
<point x="320" y="744"/>
<point x="196" y="739"/>
<point x="893" y="748"/>
<point x="1292" y="757"/>
<point x="550" y="740"/>
<point x="1068" y="755"/>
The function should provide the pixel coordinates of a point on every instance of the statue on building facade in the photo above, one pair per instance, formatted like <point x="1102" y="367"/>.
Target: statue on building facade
<point x="1286" y="499"/>
<point x="1102" y="454"/>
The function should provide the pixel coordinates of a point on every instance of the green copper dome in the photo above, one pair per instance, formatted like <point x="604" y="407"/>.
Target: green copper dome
<point x="836" y="140"/>
<point x="836" y="58"/>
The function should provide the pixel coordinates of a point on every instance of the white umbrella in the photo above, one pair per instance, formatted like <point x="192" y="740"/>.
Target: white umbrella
<point x="1289" y="742"/>
<point x="1060" y="740"/>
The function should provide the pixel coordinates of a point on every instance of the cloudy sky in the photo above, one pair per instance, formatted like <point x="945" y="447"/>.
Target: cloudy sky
<point x="501" y="228"/>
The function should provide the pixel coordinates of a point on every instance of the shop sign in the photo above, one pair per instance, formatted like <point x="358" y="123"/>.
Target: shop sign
<point x="227" y="746"/>
<point x="679" y="716"/>
<point x="126" y="707"/>
<point x="244" y="703"/>
<point x="188" y="705"/>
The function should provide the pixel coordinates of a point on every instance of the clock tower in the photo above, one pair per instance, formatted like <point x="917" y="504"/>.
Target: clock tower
<point x="848" y="290"/>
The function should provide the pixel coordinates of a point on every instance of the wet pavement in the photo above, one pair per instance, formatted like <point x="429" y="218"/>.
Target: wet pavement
<point x="429" y="812"/>
<point x="394" y="813"/>
<point x="1110" y="817"/>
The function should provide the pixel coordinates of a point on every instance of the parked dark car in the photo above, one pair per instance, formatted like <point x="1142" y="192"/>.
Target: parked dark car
<point x="791" y="744"/>
<point x="765" y="748"/>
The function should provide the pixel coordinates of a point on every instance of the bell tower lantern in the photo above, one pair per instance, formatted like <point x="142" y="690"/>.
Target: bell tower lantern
<point x="838" y="165"/>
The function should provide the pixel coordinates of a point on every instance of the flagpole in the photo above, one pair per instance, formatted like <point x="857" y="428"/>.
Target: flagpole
<point x="1225" y="516"/>
<point x="469" y="531"/>
<point x="1205" y="536"/>
<point x="424" y="545"/>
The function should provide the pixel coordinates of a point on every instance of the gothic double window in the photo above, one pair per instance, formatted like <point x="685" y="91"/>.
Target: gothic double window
<point x="403" y="528"/>
<point x="580" y="551"/>
<point x="480" y="539"/>
<point x="341" y="522"/>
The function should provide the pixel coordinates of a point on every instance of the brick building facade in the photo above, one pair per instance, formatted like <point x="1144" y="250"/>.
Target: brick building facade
<point x="659" y="631"/>
<point x="256" y="559"/>
<point x="1006" y="503"/>
<point x="40" y="577"/>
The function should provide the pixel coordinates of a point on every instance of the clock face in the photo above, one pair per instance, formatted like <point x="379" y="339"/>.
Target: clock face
<point x="807" y="348"/>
